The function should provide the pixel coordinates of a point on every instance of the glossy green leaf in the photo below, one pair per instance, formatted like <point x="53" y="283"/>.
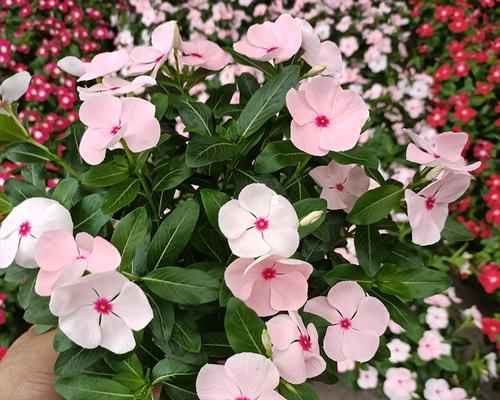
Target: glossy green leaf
<point x="375" y="204"/>
<point x="120" y="196"/>
<point x="278" y="155"/>
<point x="205" y="150"/>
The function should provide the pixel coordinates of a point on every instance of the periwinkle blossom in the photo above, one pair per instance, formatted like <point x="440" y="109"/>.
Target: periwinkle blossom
<point x="260" y="222"/>
<point x="400" y="351"/>
<point x="436" y="317"/>
<point x="204" y="54"/>
<point x="117" y="86"/>
<point x="399" y="384"/>
<point x="101" y="65"/>
<point x="367" y="379"/>
<point x="101" y="309"/>
<point x="432" y="346"/>
<point x="26" y="223"/>
<point x="13" y="88"/>
<point x="439" y="389"/>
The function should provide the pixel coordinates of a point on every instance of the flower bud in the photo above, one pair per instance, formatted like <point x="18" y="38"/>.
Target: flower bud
<point x="433" y="173"/>
<point x="266" y="341"/>
<point x="316" y="70"/>
<point x="311" y="218"/>
<point x="176" y="42"/>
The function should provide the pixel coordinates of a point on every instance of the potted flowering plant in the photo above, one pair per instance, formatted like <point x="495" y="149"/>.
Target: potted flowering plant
<point x="190" y="249"/>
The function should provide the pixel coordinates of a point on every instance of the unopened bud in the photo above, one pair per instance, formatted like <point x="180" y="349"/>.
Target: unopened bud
<point x="316" y="70"/>
<point x="176" y="42"/>
<point x="433" y="173"/>
<point x="311" y="218"/>
<point x="266" y="341"/>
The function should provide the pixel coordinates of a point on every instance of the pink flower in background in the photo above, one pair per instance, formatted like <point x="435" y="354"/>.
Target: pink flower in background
<point x="368" y="379"/>
<point x="348" y="45"/>
<point x="295" y="348"/>
<point x="445" y="151"/>
<point x="328" y="56"/>
<point x="400" y="351"/>
<point x="243" y="376"/>
<point x="205" y="54"/>
<point x="130" y="119"/>
<point x="428" y="209"/>
<point x="325" y="117"/>
<point x="117" y="86"/>
<point x="265" y="284"/>
<point x="346" y="365"/>
<point x="22" y="228"/>
<point x="436" y="317"/>
<point x="150" y="58"/>
<point x="13" y="88"/>
<point x="260" y="222"/>
<point x="399" y="384"/>
<point x="341" y="184"/>
<point x="62" y="258"/>
<point x="395" y="328"/>
<point x="101" y="310"/>
<point x="278" y="41"/>
<point x="438" y="300"/>
<point x="101" y="65"/>
<point x="439" y="389"/>
<point x="357" y="321"/>
<point x="310" y="40"/>
<point x="432" y="346"/>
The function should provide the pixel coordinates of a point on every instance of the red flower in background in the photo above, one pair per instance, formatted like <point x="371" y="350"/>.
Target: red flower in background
<point x="490" y="277"/>
<point x="425" y="30"/>
<point x="464" y="114"/>
<point x="443" y="73"/>
<point x="491" y="328"/>
<point x="458" y="25"/>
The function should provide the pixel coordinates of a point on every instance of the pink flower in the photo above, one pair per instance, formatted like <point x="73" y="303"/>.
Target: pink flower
<point x="357" y="321"/>
<point x="62" y="258"/>
<point x="205" y="54"/>
<point x="341" y="184"/>
<point x="150" y="58"/>
<point x="428" y="209"/>
<point x="244" y="376"/>
<point x="117" y="86"/>
<point x="101" y="65"/>
<point x="310" y="40"/>
<point x="400" y="351"/>
<point x="436" y="389"/>
<point x="265" y="284"/>
<point x="260" y="222"/>
<point x="436" y="317"/>
<point x="328" y="56"/>
<point x="325" y="117"/>
<point x="348" y="45"/>
<point x="399" y="384"/>
<point x="438" y="300"/>
<point x="444" y="150"/>
<point x="101" y="310"/>
<point x="346" y="365"/>
<point x="395" y="328"/>
<point x="295" y="348"/>
<point x="431" y="346"/>
<point x="279" y="40"/>
<point x="368" y="379"/>
<point x="130" y="119"/>
<point x="22" y="228"/>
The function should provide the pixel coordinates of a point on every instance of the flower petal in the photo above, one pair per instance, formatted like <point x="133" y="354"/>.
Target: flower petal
<point x="372" y="316"/>
<point x="249" y="244"/>
<point x="162" y="37"/>
<point x="332" y="344"/>
<point x="322" y="93"/>
<point x="282" y="214"/>
<point x="15" y="86"/>
<point x="321" y="307"/>
<point x="257" y="199"/>
<point x="104" y="257"/>
<point x="414" y="154"/>
<point x="283" y="331"/>
<point x="290" y="363"/>
<point x="133" y="307"/>
<point x="345" y="297"/>
<point x="449" y="145"/>
<point x="234" y="220"/>
<point x="55" y="249"/>
<point x="359" y="346"/>
<point x="116" y="335"/>
<point x="212" y="383"/>
<point x="306" y="138"/>
<point x="283" y="242"/>
<point x="299" y="108"/>
<point x="260" y="299"/>
<point x="239" y="282"/>
<point x="282" y="286"/>
<point x="8" y="249"/>
<point x="25" y="256"/>
<point x="66" y="299"/>
<point x="82" y="327"/>
<point x="91" y="111"/>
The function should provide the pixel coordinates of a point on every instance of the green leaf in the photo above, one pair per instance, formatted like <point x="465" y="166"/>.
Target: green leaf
<point x="162" y="324"/>
<point x="104" y="175"/>
<point x="247" y="85"/>
<point x="267" y="101"/>
<point x="65" y="191"/>
<point x="455" y="231"/>
<point x="160" y="101"/>
<point x="447" y="363"/>
<point x="130" y="233"/>
<point x="216" y="345"/>
<point x="88" y="216"/>
<point x="174" y="234"/>
<point x="10" y="131"/>
<point x="348" y="272"/>
<point x="76" y="359"/>
<point x="206" y="150"/>
<point x="186" y="334"/>
<point x="171" y="174"/>
<point x="38" y="312"/>
<point x="26" y="153"/>
<point x="5" y="205"/>
<point x="84" y="387"/>
<point x="375" y="204"/>
<point x="128" y="371"/>
<point x="62" y="342"/>
<point x="169" y="368"/>
<point x="183" y="286"/>
<point x="212" y="202"/>
<point x="297" y="392"/>
<point x="197" y="117"/>
<point x="305" y="207"/>
<point x="278" y="155"/>
<point x="357" y="155"/>
<point x="17" y="191"/>
<point x="243" y="328"/>
<point x="265" y="67"/>
<point x="405" y="255"/>
<point x="120" y="196"/>
<point x="181" y="387"/>
<point x="369" y="249"/>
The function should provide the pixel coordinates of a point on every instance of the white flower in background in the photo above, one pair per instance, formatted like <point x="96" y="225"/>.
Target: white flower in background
<point x="19" y="232"/>
<point x="400" y="384"/>
<point x="368" y="379"/>
<point x="400" y="351"/>
<point x="436" y="317"/>
<point x="13" y="88"/>
<point x="476" y="316"/>
<point x="491" y="363"/>
<point x="436" y="389"/>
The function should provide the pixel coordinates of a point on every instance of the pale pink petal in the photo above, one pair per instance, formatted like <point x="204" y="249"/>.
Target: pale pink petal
<point x="332" y="344"/>
<point x="421" y="142"/>
<point x="286" y="265"/>
<point x="91" y="111"/>
<point x="73" y="65"/>
<point x="357" y="182"/>
<point x="449" y="145"/>
<point x="350" y="108"/>
<point x="15" y="86"/>
<point x="55" y="249"/>
<point x="282" y="214"/>
<point x="70" y="274"/>
<point x="249" y="244"/>
<point x="290" y="363"/>
<point x="321" y="176"/>
<point x="133" y="307"/>
<point x="248" y="49"/>
<point x="342" y="134"/>
<point x="289" y="36"/>
<point x="66" y="299"/>
<point x="333" y="199"/>
<point x="453" y="186"/>
<point x="262" y="35"/>
<point x="321" y="307"/>
<point x="217" y="61"/>
<point x="372" y="316"/>
<point x="8" y="249"/>
<point x="282" y="286"/>
<point x="162" y="37"/>
<point x="82" y="327"/>
<point x="53" y="217"/>
<point x="234" y="220"/>
<point x="105" y="63"/>
<point x="313" y="338"/>
<point x="107" y="284"/>
<point x="213" y="383"/>
<point x="282" y="241"/>
<point x="328" y="55"/>
<point x="116" y="335"/>
<point x="315" y="365"/>
<point x="237" y="281"/>
<point x="359" y="346"/>
<point x="85" y="243"/>
<point x="310" y="40"/>
<point x="260" y="299"/>
<point x="257" y="198"/>
<point x="283" y="331"/>
<point x="44" y="282"/>
<point x="414" y="154"/>
<point x="345" y="297"/>
<point x="306" y="138"/>
<point x="93" y="146"/>
<point x="254" y="373"/>
<point x="145" y="54"/>
<point x="144" y="138"/>
<point x="25" y="256"/>
<point x="271" y="395"/>
<point x="104" y="257"/>
<point x="299" y="108"/>
<point x="322" y="94"/>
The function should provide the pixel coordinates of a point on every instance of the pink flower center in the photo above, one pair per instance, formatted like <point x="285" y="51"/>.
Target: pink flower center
<point x="103" y="306"/>
<point x="436" y="156"/>
<point x="269" y="273"/>
<point x="345" y="323"/>
<point x="242" y="398"/>
<point x="322" y="121"/>
<point x="195" y="55"/>
<point x="339" y="187"/>
<point x="24" y="228"/>
<point x="305" y="342"/>
<point x="261" y="224"/>
<point x="430" y="202"/>
<point x="269" y="50"/>
<point x="115" y="129"/>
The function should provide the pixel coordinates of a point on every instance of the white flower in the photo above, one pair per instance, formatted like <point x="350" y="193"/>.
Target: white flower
<point x="21" y="229"/>
<point x="368" y="379"/>
<point x="436" y="317"/>
<point x="436" y="389"/>
<point x="491" y="362"/>
<point x="13" y="88"/>
<point x="400" y="351"/>
<point x="260" y="222"/>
